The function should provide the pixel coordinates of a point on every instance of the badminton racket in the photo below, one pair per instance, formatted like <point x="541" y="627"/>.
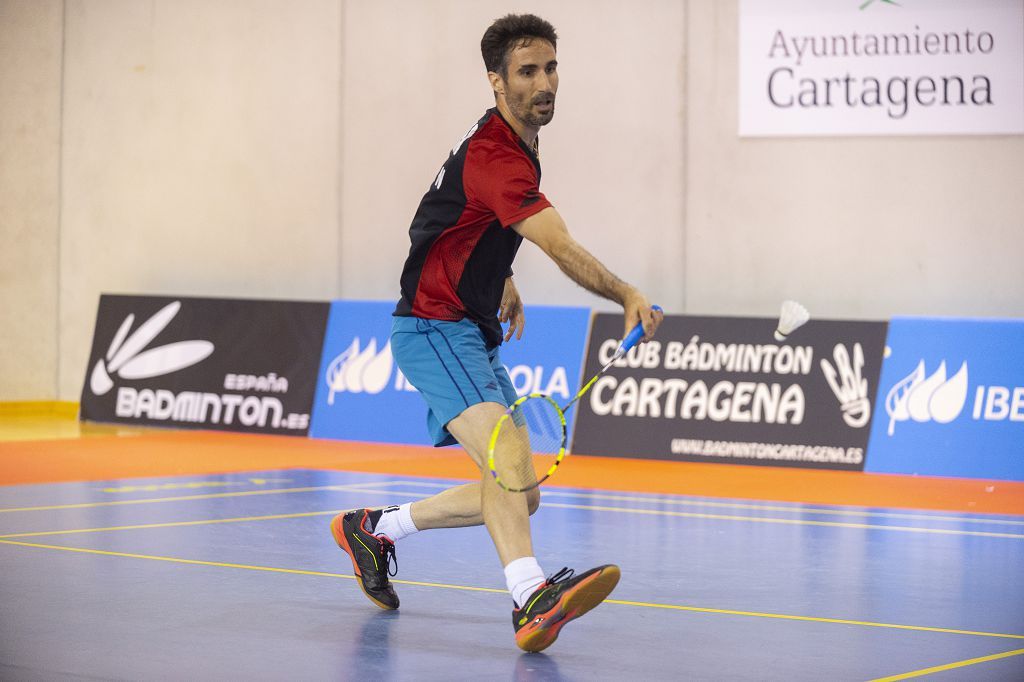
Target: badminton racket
<point x="528" y="442"/>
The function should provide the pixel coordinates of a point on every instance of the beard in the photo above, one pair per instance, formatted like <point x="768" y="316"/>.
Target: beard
<point x="526" y="110"/>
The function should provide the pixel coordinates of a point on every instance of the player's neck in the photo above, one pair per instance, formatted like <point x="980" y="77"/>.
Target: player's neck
<point x="526" y="133"/>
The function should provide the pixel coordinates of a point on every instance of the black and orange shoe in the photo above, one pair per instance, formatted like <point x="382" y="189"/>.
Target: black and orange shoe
<point x="560" y="599"/>
<point x="371" y="555"/>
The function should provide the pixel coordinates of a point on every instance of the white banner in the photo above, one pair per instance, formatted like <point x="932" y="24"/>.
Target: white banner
<point x="881" y="67"/>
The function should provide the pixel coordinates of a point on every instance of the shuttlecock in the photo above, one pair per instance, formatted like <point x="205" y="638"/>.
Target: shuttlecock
<point x="792" y="316"/>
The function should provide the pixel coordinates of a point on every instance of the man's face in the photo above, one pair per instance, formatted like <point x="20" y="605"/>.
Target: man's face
<point x="532" y="82"/>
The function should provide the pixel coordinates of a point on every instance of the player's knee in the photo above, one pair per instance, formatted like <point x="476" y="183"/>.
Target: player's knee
<point x="533" y="500"/>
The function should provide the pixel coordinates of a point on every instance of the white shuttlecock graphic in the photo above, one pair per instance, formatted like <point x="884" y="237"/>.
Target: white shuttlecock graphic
<point x="127" y="359"/>
<point x="792" y="316"/>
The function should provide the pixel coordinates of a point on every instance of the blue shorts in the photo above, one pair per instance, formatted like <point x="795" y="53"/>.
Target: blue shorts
<point x="451" y="367"/>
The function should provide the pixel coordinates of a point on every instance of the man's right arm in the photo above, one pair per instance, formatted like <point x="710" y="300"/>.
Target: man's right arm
<point x="547" y="230"/>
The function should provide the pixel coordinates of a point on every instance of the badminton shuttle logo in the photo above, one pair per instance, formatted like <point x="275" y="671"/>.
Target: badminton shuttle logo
<point x="927" y="398"/>
<point x="128" y="359"/>
<point x="358" y="370"/>
<point x="849" y="385"/>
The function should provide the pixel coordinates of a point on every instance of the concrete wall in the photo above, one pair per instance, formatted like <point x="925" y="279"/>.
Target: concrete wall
<point x="30" y="98"/>
<point x="278" y="149"/>
<point x="853" y="227"/>
<point x="200" y="154"/>
<point x="612" y="158"/>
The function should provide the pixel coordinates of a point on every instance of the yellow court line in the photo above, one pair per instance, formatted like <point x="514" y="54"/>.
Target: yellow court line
<point x="362" y="487"/>
<point x="795" y="508"/>
<point x="950" y="666"/>
<point x="815" y="619"/>
<point x="248" y="567"/>
<point x="176" y="498"/>
<point x="468" y="588"/>
<point x="202" y="522"/>
<point x="171" y="524"/>
<point x="623" y="510"/>
<point x="354" y="488"/>
<point x="793" y="522"/>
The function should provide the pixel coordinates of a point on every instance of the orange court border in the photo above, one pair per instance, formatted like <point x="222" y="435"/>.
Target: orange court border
<point x="112" y="452"/>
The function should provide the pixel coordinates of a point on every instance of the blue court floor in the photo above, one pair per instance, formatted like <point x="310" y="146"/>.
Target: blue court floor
<point x="237" y="577"/>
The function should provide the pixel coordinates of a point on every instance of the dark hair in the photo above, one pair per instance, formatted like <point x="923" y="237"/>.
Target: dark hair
<point x="509" y="32"/>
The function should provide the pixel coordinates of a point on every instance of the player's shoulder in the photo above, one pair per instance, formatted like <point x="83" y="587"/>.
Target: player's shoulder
<point x="492" y="131"/>
<point x="492" y="127"/>
<point x="495" y="140"/>
<point x="486" y="134"/>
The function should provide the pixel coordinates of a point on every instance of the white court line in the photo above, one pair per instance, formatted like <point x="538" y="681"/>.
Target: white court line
<point x="792" y="522"/>
<point x="621" y="510"/>
<point x="364" y="488"/>
<point x="796" y="508"/>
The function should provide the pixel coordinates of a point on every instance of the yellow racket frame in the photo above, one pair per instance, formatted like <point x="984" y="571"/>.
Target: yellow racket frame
<point x="497" y="429"/>
<point x="631" y="340"/>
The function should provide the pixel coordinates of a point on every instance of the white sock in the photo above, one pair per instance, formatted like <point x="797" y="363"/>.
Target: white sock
<point x="523" y="576"/>
<point x="396" y="522"/>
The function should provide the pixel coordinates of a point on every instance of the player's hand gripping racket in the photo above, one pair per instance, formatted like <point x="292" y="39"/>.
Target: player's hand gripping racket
<point x="528" y="442"/>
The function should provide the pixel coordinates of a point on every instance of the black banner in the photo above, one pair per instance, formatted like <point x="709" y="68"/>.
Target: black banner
<point x="226" y="364"/>
<point x="721" y="389"/>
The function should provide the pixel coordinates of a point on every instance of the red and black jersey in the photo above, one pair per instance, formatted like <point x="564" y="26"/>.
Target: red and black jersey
<point x="462" y="247"/>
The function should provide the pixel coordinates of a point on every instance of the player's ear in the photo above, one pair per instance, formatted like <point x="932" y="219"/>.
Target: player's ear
<point x="497" y="83"/>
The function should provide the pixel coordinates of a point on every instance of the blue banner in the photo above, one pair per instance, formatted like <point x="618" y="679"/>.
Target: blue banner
<point x="951" y="400"/>
<point x="361" y="395"/>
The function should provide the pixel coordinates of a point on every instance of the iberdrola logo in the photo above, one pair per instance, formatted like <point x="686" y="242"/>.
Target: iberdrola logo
<point x="923" y="398"/>
<point x="358" y="370"/>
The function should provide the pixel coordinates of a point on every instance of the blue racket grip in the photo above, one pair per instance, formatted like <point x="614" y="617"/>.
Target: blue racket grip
<point x="635" y="335"/>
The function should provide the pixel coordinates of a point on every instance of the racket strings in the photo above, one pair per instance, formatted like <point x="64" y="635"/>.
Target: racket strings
<point x="543" y="426"/>
<point x="529" y="443"/>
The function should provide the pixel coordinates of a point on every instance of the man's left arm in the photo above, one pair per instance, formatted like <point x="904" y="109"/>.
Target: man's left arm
<point x="512" y="310"/>
<point x="547" y="230"/>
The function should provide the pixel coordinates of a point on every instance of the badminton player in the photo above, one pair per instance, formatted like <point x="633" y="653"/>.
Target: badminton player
<point x="457" y="290"/>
